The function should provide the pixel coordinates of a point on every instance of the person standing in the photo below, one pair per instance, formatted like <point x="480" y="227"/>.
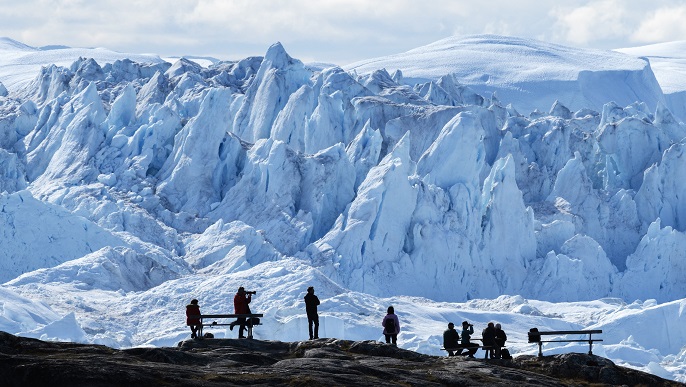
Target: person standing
<point x="488" y="340"/>
<point x="391" y="326"/>
<point x="192" y="311"/>
<point x="451" y="340"/>
<point x="311" y="302"/>
<point x="240" y="306"/>
<point x="467" y="332"/>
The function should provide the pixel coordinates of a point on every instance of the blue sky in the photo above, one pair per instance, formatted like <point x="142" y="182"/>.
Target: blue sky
<point x="334" y="31"/>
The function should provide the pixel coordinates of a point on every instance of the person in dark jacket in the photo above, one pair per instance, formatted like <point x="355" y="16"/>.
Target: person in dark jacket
<point x="500" y="339"/>
<point x="193" y="309"/>
<point x="240" y="306"/>
<point x="451" y="340"/>
<point x="391" y="326"/>
<point x="311" y="302"/>
<point x="488" y="339"/>
<point x="467" y="332"/>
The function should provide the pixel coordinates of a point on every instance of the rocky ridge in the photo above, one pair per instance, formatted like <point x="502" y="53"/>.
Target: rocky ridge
<point x="228" y="362"/>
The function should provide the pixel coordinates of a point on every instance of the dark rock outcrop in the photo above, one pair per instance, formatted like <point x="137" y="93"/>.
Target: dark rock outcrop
<point x="330" y="362"/>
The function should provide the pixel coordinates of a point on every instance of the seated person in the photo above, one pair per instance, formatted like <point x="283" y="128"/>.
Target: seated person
<point x="488" y="339"/>
<point x="500" y="339"/>
<point x="451" y="340"/>
<point x="467" y="332"/>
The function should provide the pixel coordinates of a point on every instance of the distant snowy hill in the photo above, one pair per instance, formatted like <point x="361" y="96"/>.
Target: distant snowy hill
<point x="128" y="188"/>
<point x="668" y="61"/>
<point x="204" y="61"/>
<point x="527" y="73"/>
<point x="20" y="63"/>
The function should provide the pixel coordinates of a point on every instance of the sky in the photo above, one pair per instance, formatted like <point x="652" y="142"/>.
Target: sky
<point x="331" y="31"/>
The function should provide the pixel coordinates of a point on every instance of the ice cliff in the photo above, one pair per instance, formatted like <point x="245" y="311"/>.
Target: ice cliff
<point x="430" y="191"/>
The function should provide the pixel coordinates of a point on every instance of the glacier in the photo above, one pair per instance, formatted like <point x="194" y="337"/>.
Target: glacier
<point x="129" y="187"/>
<point x="537" y="73"/>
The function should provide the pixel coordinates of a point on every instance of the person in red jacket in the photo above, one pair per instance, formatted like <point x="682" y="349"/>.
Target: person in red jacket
<point x="193" y="309"/>
<point x="240" y="306"/>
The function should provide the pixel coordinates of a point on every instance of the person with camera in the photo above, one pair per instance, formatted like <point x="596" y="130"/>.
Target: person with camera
<point x="311" y="302"/>
<point x="467" y="332"/>
<point x="240" y="306"/>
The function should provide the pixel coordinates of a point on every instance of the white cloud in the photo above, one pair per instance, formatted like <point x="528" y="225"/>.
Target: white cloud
<point x="338" y="19"/>
<point x="596" y="20"/>
<point x="498" y="29"/>
<point x="339" y="31"/>
<point x="664" y="24"/>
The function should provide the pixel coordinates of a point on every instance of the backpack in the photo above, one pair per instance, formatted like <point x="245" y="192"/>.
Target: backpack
<point x="534" y="337"/>
<point x="390" y="326"/>
<point x="505" y="354"/>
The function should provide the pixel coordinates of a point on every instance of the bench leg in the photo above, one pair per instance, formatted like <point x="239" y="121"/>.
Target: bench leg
<point x="540" y="349"/>
<point x="590" y="347"/>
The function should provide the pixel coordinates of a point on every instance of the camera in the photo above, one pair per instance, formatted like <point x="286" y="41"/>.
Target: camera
<point x="251" y="292"/>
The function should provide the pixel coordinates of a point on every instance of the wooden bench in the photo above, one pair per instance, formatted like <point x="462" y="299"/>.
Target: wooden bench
<point x="248" y="321"/>
<point x="535" y="337"/>
<point x="482" y="347"/>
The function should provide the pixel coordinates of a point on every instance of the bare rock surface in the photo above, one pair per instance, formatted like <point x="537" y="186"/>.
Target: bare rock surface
<point x="329" y="362"/>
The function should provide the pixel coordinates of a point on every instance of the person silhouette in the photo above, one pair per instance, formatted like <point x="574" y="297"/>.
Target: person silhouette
<point x="311" y="302"/>
<point x="391" y="326"/>
<point x="467" y="332"/>
<point x="193" y="310"/>
<point x="240" y="306"/>
<point x="451" y="340"/>
<point x="488" y="340"/>
<point x="500" y="339"/>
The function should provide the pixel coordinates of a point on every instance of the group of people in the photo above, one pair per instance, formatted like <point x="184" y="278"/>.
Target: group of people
<point x="241" y="305"/>
<point x="456" y="343"/>
<point x="241" y="301"/>
<point x="459" y="343"/>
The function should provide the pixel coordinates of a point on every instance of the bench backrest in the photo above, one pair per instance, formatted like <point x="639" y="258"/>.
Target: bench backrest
<point x="586" y="332"/>
<point x="535" y="335"/>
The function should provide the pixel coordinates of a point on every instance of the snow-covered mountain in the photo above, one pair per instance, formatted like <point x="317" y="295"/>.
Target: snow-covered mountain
<point x="130" y="188"/>
<point x="20" y="62"/>
<point x="668" y="61"/>
<point x="529" y="74"/>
